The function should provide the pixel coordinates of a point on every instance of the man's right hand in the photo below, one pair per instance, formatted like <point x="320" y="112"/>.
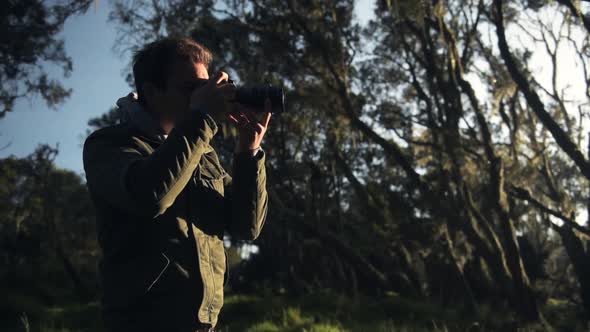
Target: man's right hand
<point x="214" y="97"/>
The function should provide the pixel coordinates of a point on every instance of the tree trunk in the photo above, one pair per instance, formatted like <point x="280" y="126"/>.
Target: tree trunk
<point x="580" y="260"/>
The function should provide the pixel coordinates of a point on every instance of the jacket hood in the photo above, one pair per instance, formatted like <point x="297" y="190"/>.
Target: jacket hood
<point x="133" y="113"/>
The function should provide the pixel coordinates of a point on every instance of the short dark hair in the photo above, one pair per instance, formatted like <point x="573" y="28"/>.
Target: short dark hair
<point x="151" y="63"/>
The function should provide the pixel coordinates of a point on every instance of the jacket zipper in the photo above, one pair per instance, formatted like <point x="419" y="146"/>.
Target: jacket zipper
<point x="210" y="305"/>
<point x="212" y="281"/>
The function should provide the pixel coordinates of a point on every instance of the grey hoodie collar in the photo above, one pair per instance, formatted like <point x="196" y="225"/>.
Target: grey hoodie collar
<point x="133" y="113"/>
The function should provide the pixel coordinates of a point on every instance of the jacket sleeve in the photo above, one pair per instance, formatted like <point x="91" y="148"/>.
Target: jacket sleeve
<point x="146" y="185"/>
<point x="246" y="197"/>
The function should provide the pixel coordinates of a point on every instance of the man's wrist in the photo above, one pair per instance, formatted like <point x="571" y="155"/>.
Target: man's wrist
<point x="255" y="151"/>
<point x="250" y="152"/>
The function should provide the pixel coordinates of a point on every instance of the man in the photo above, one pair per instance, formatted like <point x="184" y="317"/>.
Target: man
<point x="162" y="198"/>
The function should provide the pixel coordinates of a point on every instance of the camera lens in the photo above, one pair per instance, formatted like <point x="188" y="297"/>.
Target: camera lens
<point x="256" y="95"/>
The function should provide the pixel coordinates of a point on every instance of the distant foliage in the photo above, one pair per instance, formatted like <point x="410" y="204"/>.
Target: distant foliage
<point x="421" y="154"/>
<point x="424" y="160"/>
<point x="47" y="228"/>
<point x="29" y="43"/>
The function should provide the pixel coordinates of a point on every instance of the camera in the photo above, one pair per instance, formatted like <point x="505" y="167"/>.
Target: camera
<point x="255" y="95"/>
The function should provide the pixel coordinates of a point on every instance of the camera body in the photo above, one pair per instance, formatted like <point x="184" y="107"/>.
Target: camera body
<point x="255" y="95"/>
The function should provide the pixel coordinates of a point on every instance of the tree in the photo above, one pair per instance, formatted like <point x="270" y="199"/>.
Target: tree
<point x="28" y="35"/>
<point x="414" y="156"/>
<point x="47" y="225"/>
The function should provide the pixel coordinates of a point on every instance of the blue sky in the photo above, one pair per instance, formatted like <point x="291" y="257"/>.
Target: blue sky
<point x="97" y="81"/>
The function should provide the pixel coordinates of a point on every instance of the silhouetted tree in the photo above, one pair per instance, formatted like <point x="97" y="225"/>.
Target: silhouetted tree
<point x="29" y="42"/>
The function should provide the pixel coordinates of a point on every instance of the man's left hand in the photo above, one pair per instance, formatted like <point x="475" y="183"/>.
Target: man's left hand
<point x="251" y="124"/>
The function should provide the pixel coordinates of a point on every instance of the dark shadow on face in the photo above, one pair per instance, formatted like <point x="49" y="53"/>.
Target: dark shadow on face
<point x="184" y="76"/>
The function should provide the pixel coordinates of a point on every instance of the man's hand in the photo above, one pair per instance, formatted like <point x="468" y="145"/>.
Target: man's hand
<point x="251" y="125"/>
<point x="214" y="98"/>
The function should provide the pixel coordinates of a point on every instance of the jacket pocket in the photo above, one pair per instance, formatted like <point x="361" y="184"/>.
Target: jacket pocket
<point x="159" y="275"/>
<point x="211" y="176"/>
<point x="128" y="282"/>
<point x="209" y="201"/>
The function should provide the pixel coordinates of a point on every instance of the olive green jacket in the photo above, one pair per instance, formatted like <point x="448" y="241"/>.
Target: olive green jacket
<point x="163" y="207"/>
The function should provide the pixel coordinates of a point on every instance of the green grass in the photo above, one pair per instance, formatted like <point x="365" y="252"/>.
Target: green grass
<point x="322" y="312"/>
<point x="22" y="311"/>
<point x="328" y="312"/>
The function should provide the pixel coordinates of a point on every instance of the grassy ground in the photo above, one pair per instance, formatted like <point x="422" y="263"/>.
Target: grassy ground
<point x="316" y="313"/>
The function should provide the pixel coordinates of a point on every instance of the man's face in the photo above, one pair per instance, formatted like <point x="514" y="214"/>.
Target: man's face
<point x="172" y="101"/>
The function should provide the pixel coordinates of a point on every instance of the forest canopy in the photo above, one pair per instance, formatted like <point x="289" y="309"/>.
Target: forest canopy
<point x="439" y="152"/>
